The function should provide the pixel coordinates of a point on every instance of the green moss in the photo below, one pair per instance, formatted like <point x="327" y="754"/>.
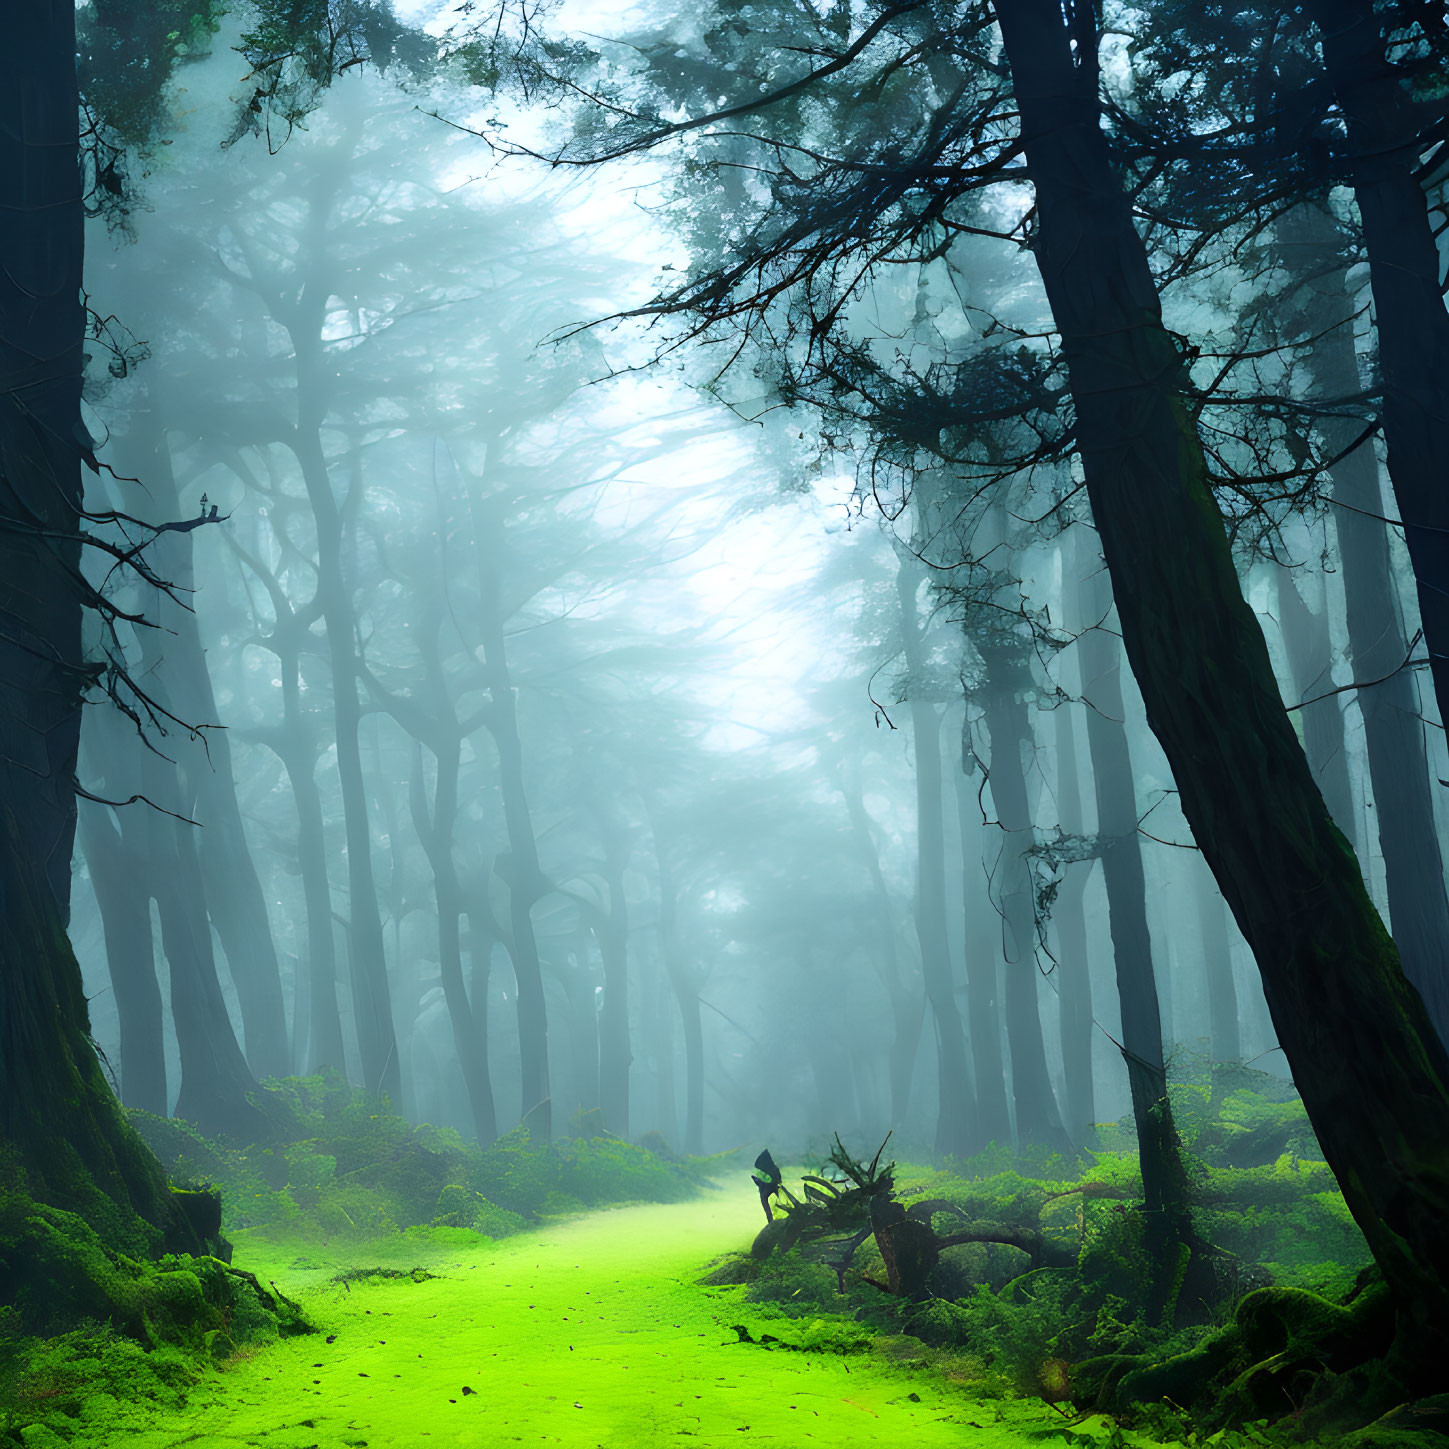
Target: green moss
<point x="590" y="1331"/>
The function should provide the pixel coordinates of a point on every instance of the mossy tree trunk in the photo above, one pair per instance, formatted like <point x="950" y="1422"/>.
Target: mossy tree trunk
<point x="1373" y="1075"/>
<point x="60" y="1126"/>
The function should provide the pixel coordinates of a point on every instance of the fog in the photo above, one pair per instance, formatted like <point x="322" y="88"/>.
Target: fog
<point x="543" y="720"/>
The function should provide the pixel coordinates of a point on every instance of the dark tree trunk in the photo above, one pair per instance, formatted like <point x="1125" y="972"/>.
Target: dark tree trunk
<point x="217" y="1085"/>
<point x="234" y="899"/>
<point x="71" y="1144"/>
<point x="1038" y="1119"/>
<point x="42" y="329"/>
<point x="983" y="971"/>
<point x="1393" y="730"/>
<point x="59" y="1122"/>
<point x="1164" y="1180"/>
<point x="1373" y="1075"/>
<point x="125" y="911"/>
<point x="1412" y="322"/>
<point x="1073" y="973"/>
<point x="1074" y="976"/>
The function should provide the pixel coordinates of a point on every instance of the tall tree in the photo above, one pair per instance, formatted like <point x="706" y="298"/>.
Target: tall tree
<point x="956" y="1105"/>
<point x="1199" y="657"/>
<point x="56" y="1112"/>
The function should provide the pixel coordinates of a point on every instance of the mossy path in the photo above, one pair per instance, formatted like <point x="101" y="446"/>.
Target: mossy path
<point x="588" y="1332"/>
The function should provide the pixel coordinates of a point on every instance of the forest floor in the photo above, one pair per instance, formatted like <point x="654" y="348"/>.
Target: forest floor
<point x="589" y="1331"/>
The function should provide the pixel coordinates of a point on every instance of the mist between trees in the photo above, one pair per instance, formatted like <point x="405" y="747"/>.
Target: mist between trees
<point x="775" y="571"/>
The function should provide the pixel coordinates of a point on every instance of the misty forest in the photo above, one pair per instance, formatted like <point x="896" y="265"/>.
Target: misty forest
<point x="731" y="710"/>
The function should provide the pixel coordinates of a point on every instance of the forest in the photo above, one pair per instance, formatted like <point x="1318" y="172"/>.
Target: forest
<point x="722" y="720"/>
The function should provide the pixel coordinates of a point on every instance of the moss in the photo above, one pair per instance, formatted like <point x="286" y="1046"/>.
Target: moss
<point x="1284" y="1349"/>
<point x="57" y="1272"/>
<point x="512" y="1310"/>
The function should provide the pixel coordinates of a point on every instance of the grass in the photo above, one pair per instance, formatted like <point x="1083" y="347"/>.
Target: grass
<point x="588" y="1331"/>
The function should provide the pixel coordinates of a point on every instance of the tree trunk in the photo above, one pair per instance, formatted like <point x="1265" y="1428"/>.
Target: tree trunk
<point x="1164" y="1180"/>
<point x="519" y="868"/>
<point x="295" y="745"/>
<point x="371" y="995"/>
<point x="234" y="899"/>
<point x="1374" y="1077"/>
<point x="42" y="329"/>
<point x="1389" y="704"/>
<point x="955" y="1105"/>
<point x="130" y="957"/>
<point x="72" y="1145"/>
<point x="686" y="992"/>
<point x="615" y="1052"/>
<point x="1073" y="973"/>
<point x="983" y="972"/>
<point x="1038" y="1118"/>
<point x="217" y="1085"/>
<point x="436" y="834"/>
<point x="1409" y="311"/>
<point x="61" y="1126"/>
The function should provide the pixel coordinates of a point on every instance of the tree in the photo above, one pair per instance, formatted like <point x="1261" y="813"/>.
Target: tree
<point x="57" y="1115"/>
<point x="1200" y="660"/>
<point x="1331" y="973"/>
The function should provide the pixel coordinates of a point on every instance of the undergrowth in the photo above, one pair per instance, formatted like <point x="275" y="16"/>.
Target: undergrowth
<point x="83" y="1326"/>
<point x="1288" y="1348"/>
<point x="343" y="1165"/>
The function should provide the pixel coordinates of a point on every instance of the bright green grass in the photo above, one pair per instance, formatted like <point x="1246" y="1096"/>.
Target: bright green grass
<point x="591" y="1331"/>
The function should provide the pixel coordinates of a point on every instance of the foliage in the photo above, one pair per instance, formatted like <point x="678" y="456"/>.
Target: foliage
<point x="345" y="1165"/>
<point x="1069" y="1299"/>
<point x="84" y="1326"/>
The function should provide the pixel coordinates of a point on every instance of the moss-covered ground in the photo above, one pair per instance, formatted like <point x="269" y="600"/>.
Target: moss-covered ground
<point x="588" y="1331"/>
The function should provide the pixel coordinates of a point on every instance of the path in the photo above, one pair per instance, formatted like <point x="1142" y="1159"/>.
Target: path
<point x="588" y="1332"/>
